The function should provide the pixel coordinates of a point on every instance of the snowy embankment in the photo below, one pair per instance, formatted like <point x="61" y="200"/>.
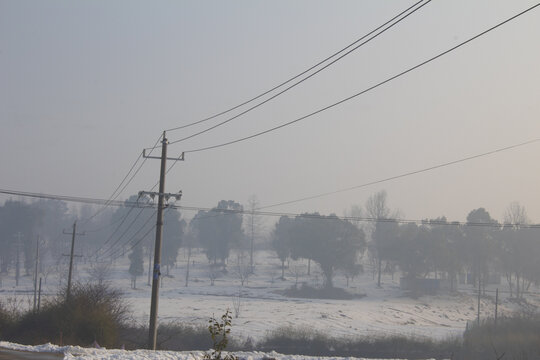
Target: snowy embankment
<point x="76" y="352"/>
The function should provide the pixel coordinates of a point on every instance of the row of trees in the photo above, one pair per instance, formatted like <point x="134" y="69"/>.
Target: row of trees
<point x="435" y="246"/>
<point x="21" y="224"/>
<point x="479" y="247"/>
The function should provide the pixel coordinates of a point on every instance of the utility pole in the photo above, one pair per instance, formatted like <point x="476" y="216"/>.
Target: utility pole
<point x="36" y="274"/>
<point x="18" y="235"/>
<point x="152" y="334"/>
<point x="39" y="295"/>
<point x="251" y="270"/>
<point x="496" y="304"/>
<point x="478" y="316"/>
<point x="73" y="233"/>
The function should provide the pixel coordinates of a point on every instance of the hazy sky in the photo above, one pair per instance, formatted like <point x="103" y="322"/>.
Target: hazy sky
<point x="86" y="85"/>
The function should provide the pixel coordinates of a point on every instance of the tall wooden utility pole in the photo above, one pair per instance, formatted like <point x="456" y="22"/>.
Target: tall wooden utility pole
<point x="70" y="274"/>
<point x="152" y="334"/>
<point x="496" y="304"/>
<point x="478" y="316"/>
<point x="18" y="235"/>
<point x="36" y="274"/>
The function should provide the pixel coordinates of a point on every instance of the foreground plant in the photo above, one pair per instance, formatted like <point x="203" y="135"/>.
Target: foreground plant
<point x="219" y="331"/>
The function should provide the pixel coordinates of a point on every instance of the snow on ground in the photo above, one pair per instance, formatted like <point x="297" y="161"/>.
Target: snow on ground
<point x="382" y="311"/>
<point x="79" y="353"/>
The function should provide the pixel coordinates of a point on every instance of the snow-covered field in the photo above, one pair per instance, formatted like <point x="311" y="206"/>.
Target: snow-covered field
<point x="382" y="311"/>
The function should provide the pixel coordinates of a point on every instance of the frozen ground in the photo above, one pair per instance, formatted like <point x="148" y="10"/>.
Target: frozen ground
<point x="382" y="311"/>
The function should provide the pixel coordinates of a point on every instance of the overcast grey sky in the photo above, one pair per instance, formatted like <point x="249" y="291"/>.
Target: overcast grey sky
<point x="86" y="85"/>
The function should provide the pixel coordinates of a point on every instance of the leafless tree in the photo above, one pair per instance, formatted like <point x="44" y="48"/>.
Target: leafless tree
<point x="242" y="269"/>
<point x="254" y="227"/>
<point x="377" y="209"/>
<point x="516" y="215"/>
<point x="213" y="275"/>
<point x="296" y="271"/>
<point x="237" y="303"/>
<point x="99" y="272"/>
<point x="515" y="249"/>
<point x="189" y="243"/>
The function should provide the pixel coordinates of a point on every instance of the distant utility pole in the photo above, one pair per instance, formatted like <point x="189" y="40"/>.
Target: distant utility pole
<point x="18" y="235"/>
<point x="73" y="233"/>
<point x="496" y="304"/>
<point x="152" y="335"/>
<point x="478" y="316"/>
<point x="36" y="274"/>
<point x="252" y="240"/>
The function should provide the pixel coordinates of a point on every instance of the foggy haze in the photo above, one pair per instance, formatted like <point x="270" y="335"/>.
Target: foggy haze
<point x="86" y="86"/>
<point x="392" y="191"/>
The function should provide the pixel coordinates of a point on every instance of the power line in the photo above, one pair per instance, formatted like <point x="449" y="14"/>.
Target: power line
<point x="104" y="226"/>
<point x="113" y="197"/>
<point x="293" y="78"/>
<point x="219" y="212"/>
<point x="402" y="175"/>
<point x="119" y="226"/>
<point x="114" y="256"/>
<point x="114" y="252"/>
<point x="317" y="216"/>
<point x="83" y="200"/>
<point x="150" y="205"/>
<point x="306" y="71"/>
<point x="134" y="235"/>
<point x="365" y="90"/>
<point x="123" y="219"/>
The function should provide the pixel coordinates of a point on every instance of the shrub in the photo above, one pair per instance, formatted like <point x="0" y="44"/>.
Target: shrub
<point x="6" y="319"/>
<point x="93" y="313"/>
<point x="516" y="337"/>
<point x="219" y="332"/>
<point x="309" y="292"/>
<point x="171" y="336"/>
<point x="290" y="340"/>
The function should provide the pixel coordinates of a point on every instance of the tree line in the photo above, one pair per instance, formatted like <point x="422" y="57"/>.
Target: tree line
<point x="434" y="247"/>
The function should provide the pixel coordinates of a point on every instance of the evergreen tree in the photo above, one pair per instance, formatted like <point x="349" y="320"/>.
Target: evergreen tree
<point x="136" y="264"/>
<point x="219" y="229"/>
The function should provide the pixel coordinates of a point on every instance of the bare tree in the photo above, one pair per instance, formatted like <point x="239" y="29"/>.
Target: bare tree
<point x="254" y="226"/>
<point x="189" y="243"/>
<point x="381" y="231"/>
<point x="99" y="272"/>
<point x="516" y="215"/>
<point x="242" y="269"/>
<point x="213" y="275"/>
<point x="514" y="246"/>
<point x="237" y="303"/>
<point x="296" y="271"/>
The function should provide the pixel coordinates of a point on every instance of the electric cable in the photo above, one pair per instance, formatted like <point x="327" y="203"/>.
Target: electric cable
<point x="314" y="73"/>
<point x="114" y="252"/>
<point x="148" y="205"/>
<point x="367" y="89"/>
<point x="220" y="212"/>
<point x="123" y="219"/>
<point x="113" y="244"/>
<point x="449" y="163"/>
<point x="136" y="243"/>
<point x="113" y="197"/>
<point x="293" y="78"/>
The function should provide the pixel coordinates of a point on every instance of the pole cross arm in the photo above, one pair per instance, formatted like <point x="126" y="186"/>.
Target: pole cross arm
<point x="71" y="233"/>
<point x="167" y="196"/>
<point x="180" y="158"/>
